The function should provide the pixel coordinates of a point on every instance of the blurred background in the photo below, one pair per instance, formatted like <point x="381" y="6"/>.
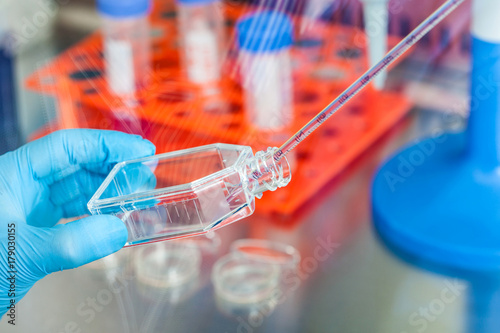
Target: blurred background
<point x="187" y="73"/>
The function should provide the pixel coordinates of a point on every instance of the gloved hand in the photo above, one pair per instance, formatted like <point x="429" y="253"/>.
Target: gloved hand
<point x="44" y="181"/>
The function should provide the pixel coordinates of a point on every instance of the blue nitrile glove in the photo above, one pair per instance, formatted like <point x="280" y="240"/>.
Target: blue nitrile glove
<point x="44" y="181"/>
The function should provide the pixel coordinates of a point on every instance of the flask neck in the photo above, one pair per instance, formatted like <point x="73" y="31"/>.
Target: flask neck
<point x="263" y="173"/>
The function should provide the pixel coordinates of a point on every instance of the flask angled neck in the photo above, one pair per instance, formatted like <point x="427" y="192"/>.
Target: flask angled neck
<point x="263" y="173"/>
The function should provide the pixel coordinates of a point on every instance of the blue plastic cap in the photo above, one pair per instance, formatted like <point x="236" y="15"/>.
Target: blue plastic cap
<point x="123" y="8"/>
<point x="264" y="32"/>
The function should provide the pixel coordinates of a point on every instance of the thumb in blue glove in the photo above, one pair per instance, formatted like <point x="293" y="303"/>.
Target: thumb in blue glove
<point x="50" y="179"/>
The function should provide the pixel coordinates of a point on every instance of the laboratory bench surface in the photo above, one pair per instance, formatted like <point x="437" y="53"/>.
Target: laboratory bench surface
<point x="348" y="280"/>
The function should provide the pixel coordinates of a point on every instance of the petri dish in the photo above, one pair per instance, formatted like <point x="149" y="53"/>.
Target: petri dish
<point x="284" y="256"/>
<point x="241" y="281"/>
<point x="169" y="268"/>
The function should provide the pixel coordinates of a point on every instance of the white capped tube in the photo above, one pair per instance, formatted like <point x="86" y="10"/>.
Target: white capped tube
<point x="376" y="17"/>
<point x="126" y="41"/>
<point x="264" y="40"/>
<point x="485" y="21"/>
<point x="202" y="33"/>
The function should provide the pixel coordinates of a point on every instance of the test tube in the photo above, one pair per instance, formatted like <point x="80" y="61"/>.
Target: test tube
<point x="201" y="31"/>
<point x="376" y="17"/>
<point x="126" y="42"/>
<point x="264" y="40"/>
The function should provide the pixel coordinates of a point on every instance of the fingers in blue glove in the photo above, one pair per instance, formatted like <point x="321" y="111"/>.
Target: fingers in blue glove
<point x="134" y="178"/>
<point x="68" y="166"/>
<point x="72" y="194"/>
<point x="63" y="152"/>
<point x="54" y="177"/>
<point x="77" y="243"/>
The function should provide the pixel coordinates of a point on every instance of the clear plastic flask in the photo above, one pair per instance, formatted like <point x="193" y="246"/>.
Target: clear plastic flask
<point x="126" y="43"/>
<point x="201" y="31"/>
<point x="188" y="192"/>
<point x="264" y="41"/>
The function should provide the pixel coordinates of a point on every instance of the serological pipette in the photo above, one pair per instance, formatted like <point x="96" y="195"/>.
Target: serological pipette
<point x="368" y="76"/>
<point x="189" y="192"/>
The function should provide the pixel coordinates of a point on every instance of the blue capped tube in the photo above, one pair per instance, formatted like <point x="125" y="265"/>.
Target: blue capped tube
<point x="264" y="41"/>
